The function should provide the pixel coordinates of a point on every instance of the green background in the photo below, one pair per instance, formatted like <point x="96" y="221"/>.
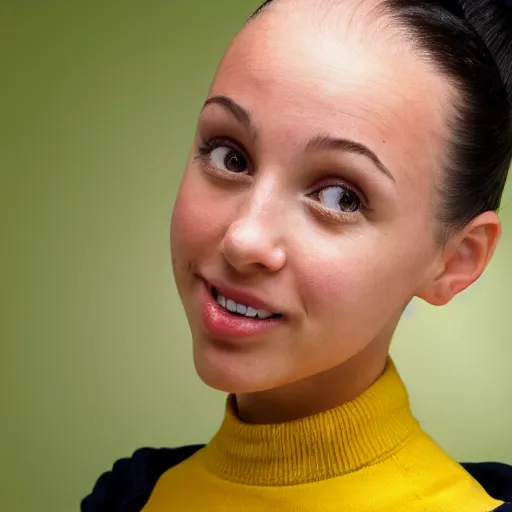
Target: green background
<point x="100" y="102"/>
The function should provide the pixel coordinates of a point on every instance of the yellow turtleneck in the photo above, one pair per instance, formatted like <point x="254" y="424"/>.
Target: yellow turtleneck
<point x="367" y="455"/>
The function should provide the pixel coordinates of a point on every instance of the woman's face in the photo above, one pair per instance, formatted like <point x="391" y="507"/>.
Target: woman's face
<point x="308" y="194"/>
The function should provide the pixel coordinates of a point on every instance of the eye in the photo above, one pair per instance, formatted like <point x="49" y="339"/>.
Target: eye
<point x="228" y="159"/>
<point x="339" y="198"/>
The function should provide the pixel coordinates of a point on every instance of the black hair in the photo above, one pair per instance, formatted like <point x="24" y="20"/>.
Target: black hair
<point x="470" y="43"/>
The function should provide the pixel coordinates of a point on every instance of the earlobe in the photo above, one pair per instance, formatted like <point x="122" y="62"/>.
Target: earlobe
<point x="465" y="257"/>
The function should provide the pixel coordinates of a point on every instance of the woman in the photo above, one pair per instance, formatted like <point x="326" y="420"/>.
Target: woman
<point x="350" y="156"/>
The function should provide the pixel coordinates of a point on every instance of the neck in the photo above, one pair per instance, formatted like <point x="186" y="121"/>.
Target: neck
<point x="333" y="443"/>
<point x="314" y="395"/>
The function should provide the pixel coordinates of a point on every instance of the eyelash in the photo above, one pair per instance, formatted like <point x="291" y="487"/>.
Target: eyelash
<point x="207" y="147"/>
<point x="338" y="182"/>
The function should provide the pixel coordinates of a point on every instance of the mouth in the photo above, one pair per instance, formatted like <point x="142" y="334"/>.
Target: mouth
<point x="248" y="317"/>
<point x="241" y="310"/>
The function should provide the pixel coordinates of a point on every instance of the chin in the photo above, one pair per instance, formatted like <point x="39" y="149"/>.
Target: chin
<point x="226" y="381"/>
<point x="230" y="373"/>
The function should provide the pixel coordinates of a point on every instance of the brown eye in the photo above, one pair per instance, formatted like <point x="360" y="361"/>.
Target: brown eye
<point x="228" y="159"/>
<point x="340" y="199"/>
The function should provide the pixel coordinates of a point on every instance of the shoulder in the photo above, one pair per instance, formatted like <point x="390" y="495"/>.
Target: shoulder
<point x="128" y="485"/>
<point x="496" y="479"/>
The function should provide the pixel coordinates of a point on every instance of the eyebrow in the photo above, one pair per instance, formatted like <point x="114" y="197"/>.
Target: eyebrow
<point x="240" y="114"/>
<point x="324" y="142"/>
<point x="318" y="143"/>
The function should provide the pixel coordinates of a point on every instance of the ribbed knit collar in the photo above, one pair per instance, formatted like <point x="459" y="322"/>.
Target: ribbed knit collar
<point x="335" y="442"/>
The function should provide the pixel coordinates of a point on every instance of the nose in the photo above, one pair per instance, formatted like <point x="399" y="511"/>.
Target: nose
<point x="253" y="242"/>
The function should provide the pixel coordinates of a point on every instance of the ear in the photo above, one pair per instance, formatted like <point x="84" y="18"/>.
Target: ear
<point x="464" y="258"/>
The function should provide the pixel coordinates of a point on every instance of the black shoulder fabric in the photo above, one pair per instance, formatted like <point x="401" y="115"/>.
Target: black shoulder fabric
<point x="494" y="477"/>
<point x="127" y="487"/>
<point x="507" y="507"/>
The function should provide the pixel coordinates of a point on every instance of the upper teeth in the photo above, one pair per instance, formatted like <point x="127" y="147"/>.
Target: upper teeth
<point x="241" y="309"/>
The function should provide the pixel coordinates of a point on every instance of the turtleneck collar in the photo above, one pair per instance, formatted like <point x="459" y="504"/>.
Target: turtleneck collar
<point x="326" y="445"/>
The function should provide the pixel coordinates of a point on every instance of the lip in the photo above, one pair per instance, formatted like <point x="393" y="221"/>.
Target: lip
<point x="242" y="297"/>
<point x="223" y="325"/>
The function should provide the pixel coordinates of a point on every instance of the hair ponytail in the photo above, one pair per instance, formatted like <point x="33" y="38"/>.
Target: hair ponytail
<point x="492" y="20"/>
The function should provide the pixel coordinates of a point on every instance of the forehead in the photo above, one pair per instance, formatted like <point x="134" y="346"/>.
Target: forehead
<point x="300" y="75"/>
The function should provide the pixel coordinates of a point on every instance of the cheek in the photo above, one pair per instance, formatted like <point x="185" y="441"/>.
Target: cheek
<point x="195" y="221"/>
<point x="362" y="280"/>
<point x="335" y="282"/>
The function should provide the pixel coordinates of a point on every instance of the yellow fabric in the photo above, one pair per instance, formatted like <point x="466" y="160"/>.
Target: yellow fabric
<point x="367" y="455"/>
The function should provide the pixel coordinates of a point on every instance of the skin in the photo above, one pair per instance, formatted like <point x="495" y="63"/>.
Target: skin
<point x="341" y="279"/>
